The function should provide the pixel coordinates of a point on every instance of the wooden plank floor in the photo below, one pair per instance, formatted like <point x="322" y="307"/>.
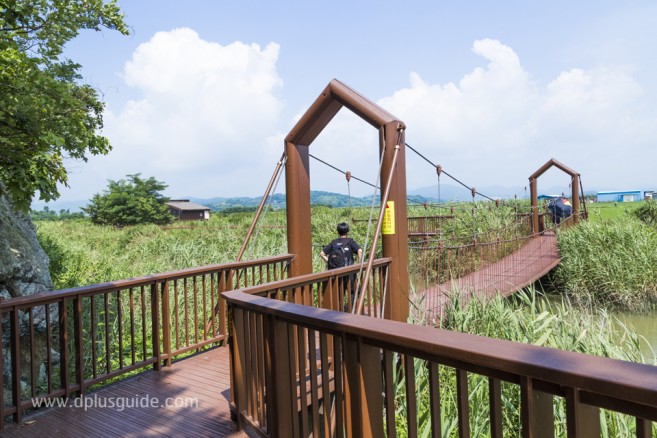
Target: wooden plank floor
<point x="517" y="270"/>
<point x="204" y="378"/>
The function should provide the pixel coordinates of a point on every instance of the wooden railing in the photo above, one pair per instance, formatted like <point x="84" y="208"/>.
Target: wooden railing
<point x="62" y="342"/>
<point x="301" y="370"/>
<point x="426" y="225"/>
<point x="258" y="349"/>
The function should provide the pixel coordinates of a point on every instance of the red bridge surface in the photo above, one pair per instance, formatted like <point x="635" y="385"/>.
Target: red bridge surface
<point x="517" y="270"/>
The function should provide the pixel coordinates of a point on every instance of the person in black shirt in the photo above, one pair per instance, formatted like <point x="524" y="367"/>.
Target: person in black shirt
<point x="339" y="253"/>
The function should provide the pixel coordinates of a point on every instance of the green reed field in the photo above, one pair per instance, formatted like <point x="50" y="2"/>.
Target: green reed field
<point x="82" y="253"/>
<point x="606" y="262"/>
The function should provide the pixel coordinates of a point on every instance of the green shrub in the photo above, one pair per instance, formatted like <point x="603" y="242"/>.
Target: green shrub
<point x="130" y="201"/>
<point x="647" y="213"/>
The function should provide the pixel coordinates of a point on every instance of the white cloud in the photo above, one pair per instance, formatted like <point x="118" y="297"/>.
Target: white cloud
<point x="204" y="111"/>
<point x="350" y="144"/>
<point x="497" y="125"/>
<point x="207" y="122"/>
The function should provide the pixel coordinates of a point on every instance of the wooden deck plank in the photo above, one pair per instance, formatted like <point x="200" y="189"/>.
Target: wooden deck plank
<point x="517" y="270"/>
<point x="204" y="377"/>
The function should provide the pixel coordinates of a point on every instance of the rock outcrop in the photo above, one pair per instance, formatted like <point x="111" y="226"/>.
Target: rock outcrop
<point x="23" y="271"/>
<point x="23" y="263"/>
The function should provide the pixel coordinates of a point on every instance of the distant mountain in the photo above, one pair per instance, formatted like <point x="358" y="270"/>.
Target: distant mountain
<point x="278" y="201"/>
<point x="448" y="193"/>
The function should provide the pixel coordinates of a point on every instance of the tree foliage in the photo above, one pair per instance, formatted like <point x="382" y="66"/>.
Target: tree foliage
<point x="130" y="201"/>
<point x="46" y="113"/>
<point x="52" y="215"/>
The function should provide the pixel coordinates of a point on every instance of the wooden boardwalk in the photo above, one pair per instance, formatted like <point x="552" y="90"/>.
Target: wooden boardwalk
<point x="204" y="378"/>
<point x="517" y="270"/>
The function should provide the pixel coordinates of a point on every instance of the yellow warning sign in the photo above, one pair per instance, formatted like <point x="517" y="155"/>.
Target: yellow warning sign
<point x="388" y="226"/>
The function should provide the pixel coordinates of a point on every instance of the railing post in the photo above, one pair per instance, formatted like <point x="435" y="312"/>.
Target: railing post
<point x="534" y="205"/>
<point x="166" y="321"/>
<point x="581" y="420"/>
<point x="363" y="388"/>
<point x="63" y="347"/>
<point x="643" y="428"/>
<point x="283" y="400"/>
<point x="575" y="198"/>
<point x="2" y="367"/>
<point x="221" y="303"/>
<point x="536" y="411"/>
<point x="237" y="360"/>
<point x="16" y="365"/>
<point x="77" y="335"/>
<point x="155" y="330"/>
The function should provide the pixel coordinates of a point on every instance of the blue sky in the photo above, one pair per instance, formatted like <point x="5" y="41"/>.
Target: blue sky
<point x="201" y="94"/>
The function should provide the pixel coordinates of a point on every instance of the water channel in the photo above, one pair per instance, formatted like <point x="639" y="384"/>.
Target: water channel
<point x="643" y="324"/>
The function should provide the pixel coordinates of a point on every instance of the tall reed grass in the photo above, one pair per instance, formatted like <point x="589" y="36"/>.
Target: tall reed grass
<point x="82" y="253"/>
<point x="527" y="318"/>
<point x="609" y="263"/>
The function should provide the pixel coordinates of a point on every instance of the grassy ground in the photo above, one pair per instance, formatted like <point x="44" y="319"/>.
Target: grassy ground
<point x="600" y="211"/>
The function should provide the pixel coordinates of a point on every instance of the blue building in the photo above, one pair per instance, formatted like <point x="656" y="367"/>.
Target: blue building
<point x="621" y="196"/>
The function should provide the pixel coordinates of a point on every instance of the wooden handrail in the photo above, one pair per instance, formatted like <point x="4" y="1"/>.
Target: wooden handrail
<point x="599" y="376"/>
<point x="51" y="296"/>
<point x="312" y="278"/>
<point x="361" y="350"/>
<point x="115" y="328"/>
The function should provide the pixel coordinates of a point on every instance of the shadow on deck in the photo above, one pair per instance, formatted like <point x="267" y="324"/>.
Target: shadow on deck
<point x="519" y="269"/>
<point x="191" y="398"/>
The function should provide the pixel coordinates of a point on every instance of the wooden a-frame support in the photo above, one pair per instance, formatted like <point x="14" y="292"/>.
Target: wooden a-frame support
<point x="297" y="181"/>
<point x="533" y="187"/>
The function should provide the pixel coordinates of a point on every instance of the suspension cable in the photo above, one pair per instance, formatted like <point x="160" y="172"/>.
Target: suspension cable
<point x="271" y="200"/>
<point x="446" y="173"/>
<point x="277" y="172"/>
<point x="341" y="171"/>
<point x="384" y="201"/>
<point x="348" y="178"/>
<point x="369" y="227"/>
<point x="583" y="200"/>
<point x="410" y="201"/>
<point x="474" y="216"/>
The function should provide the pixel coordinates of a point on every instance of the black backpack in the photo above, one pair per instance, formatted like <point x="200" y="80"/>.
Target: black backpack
<point x="337" y="256"/>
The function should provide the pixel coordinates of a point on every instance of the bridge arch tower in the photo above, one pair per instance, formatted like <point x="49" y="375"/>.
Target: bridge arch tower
<point x="533" y="187"/>
<point x="297" y="180"/>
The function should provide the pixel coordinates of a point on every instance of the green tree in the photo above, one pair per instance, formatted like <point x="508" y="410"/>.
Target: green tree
<point x="130" y="201"/>
<point x="51" y="215"/>
<point x="46" y="113"/>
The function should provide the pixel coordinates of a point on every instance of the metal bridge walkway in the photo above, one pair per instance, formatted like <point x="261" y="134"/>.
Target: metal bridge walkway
<point x="519" y="269"/>
<point x="151" y="403"/>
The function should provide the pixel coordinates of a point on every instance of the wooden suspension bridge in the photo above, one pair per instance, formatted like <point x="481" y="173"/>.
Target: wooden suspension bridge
<point x="536" y="257"/>
<point x="298" y="364"/>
